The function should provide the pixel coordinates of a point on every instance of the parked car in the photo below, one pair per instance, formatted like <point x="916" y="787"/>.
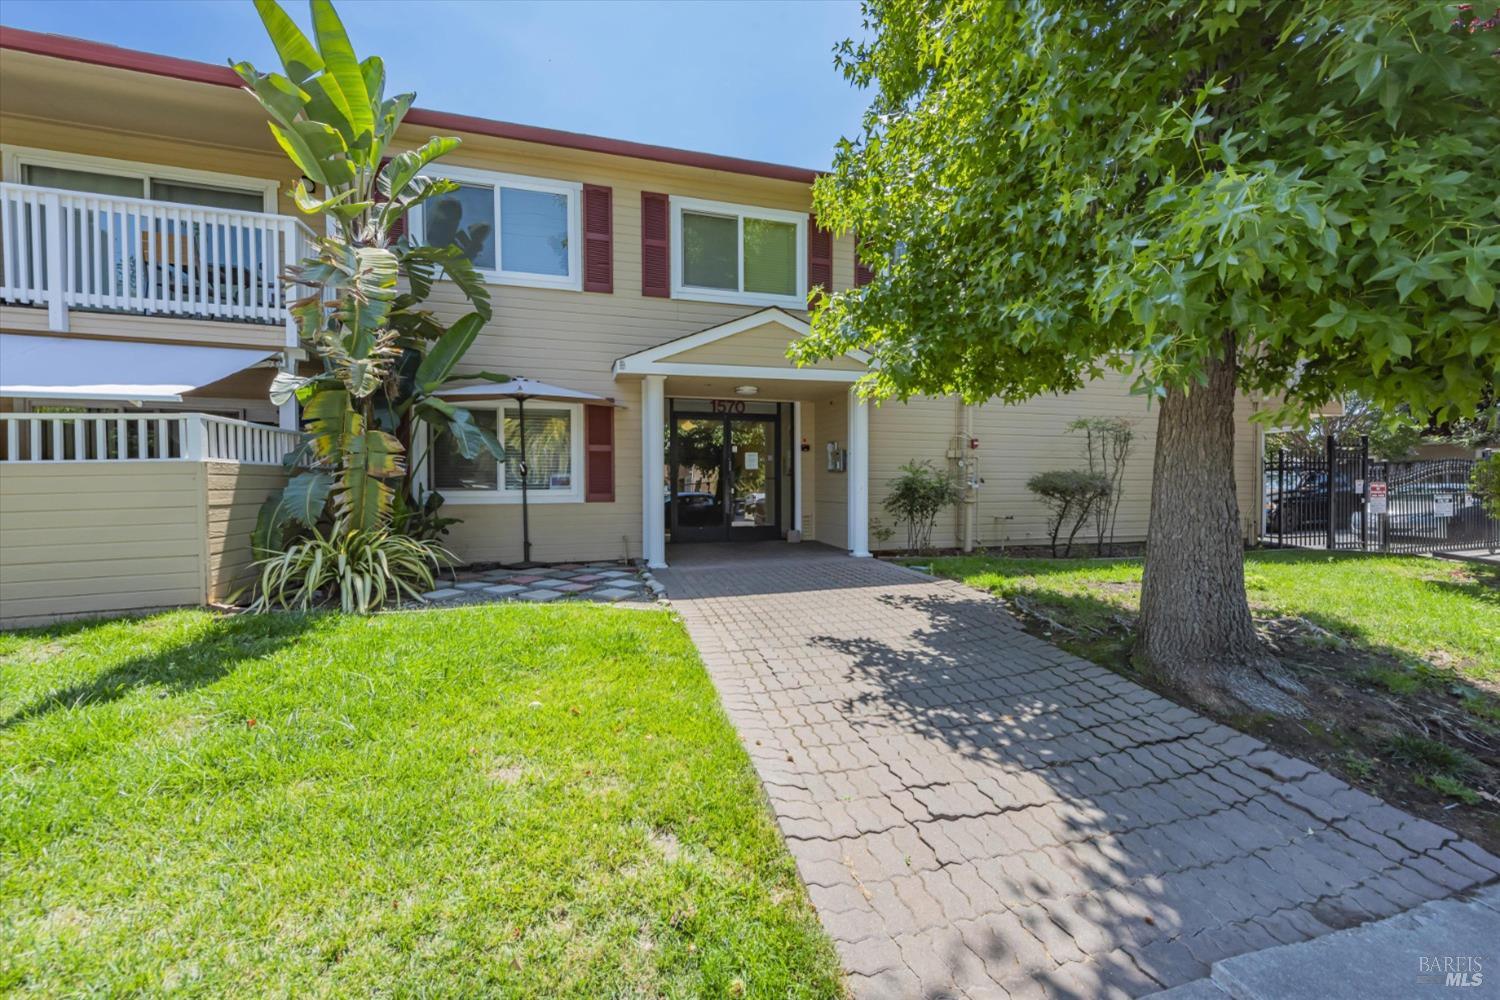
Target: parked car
<point x="695" y="508"/>
<point x="1302" y="503"/>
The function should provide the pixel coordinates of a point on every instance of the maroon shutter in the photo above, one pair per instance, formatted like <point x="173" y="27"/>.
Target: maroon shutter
<point x="599" y="454"/>
<point x="862" y="272"/>
<point x="598" y="239"/>
<point x="656" y="246"/>
<point x="399" y="229"/>
<point x="819" y="257"/>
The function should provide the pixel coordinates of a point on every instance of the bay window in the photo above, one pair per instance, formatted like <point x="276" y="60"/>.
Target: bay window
<point x="554" y="456"/>
<point x="516" y="230"/>
<point x="734" y="253"/>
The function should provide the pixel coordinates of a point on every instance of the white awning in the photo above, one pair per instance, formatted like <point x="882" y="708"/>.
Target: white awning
<point x="81" y="368"/>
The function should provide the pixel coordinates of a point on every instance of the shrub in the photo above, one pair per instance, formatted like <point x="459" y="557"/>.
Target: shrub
<point x="916" y="498"/>
<point x="1069" y="495"/>
<point x="1107" y="442"/>
<point x="1485" y="482"/>
<point x="364" y="569"/>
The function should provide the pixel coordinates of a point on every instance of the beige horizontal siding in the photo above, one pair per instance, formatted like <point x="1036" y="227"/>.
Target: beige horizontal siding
<point x="234" y="497"/>
<point x="764" y="346"/>
<point x="111" y="548"/>
<point x="102" y="538"/>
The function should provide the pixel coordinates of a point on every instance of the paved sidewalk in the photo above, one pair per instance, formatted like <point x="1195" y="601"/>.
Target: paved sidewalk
<point x="978" y="814"/>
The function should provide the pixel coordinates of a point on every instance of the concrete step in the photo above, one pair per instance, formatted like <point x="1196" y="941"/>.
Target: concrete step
<point x="1426" y="950"/>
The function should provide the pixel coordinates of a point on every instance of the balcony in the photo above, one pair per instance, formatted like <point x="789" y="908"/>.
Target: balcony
<point x="67" y="250"/>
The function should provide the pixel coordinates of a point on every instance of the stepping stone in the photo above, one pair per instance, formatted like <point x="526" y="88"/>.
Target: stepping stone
<point x="568" y="566"/>
<point x="611" y="594"/>
<point x="570" y="588"/>
<point x="442" y="594"/>
<point x="503" y="590"/>
<point x="472" y="585"/>
<point x="538" y="596"/>
<point x="616" y="572"/>
<point x="495" y="574"/>
<point x="589" y="578"/>
<point x="553" y="583"/>
<point x="522" y="579"/>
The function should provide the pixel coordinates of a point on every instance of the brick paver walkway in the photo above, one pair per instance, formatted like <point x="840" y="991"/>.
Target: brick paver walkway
<point x="978" y="814"/>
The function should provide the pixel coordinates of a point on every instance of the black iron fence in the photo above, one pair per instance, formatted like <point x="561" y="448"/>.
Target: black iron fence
<point x="1337" y="497"/>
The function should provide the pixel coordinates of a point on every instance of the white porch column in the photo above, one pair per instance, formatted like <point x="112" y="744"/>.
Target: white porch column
<point x="653" y="459"/>
<point x="858" y="475"/>
<point x="796" y="469"/>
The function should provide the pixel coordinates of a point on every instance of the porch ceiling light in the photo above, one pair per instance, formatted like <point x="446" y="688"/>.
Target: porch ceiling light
<point x="745" y="390"/>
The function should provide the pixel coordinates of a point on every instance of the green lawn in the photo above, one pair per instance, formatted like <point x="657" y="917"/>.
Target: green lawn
<point x="1445" y="614"/>
<point x="505" y="800"/>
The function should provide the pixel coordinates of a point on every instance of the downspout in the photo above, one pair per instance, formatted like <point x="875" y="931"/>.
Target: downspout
<point x="965" y="460"/>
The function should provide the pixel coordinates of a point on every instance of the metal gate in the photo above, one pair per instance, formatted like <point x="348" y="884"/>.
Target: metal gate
<point x="1337" y="498"/>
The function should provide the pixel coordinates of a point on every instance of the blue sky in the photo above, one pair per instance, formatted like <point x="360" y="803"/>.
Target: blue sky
<point x="753" y="79"/>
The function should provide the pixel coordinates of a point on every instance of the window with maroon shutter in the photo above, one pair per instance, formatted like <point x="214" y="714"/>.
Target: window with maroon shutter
<point x="599" y="454"/>
<point x="656" y="246"/>
<point x="862" y="272"/>
<point x="397" y="230"/>
<point x="819" y="256"/>
<point x="598" y="239"/>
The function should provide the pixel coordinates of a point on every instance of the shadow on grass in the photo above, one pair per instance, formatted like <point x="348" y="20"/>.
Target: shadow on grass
<point x="207" y="655"/>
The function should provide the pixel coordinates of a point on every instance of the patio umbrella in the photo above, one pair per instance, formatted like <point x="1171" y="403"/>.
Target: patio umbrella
<point x="522" y="389"/>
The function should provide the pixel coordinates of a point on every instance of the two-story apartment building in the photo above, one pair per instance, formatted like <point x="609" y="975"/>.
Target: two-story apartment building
<point x="145" y="215"/>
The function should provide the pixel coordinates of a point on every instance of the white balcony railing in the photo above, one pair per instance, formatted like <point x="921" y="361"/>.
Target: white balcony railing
<point x="70" y="250"/>
<point x="68" y="438"/>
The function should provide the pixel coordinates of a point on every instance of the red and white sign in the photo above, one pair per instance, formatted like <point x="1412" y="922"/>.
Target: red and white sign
<point x="1376" y="504"/>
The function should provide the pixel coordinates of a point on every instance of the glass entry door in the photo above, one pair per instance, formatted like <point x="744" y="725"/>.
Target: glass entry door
<point x="725" y="478"/>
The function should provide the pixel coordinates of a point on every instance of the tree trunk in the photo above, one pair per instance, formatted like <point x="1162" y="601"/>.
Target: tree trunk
<point x="1196" y="633"/>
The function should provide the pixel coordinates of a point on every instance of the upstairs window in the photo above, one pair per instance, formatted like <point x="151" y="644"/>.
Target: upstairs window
<point x="516" y="230"/>
<point x="732" y="253"/>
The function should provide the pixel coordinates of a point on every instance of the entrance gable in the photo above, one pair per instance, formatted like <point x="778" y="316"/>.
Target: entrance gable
<point x="755" y="344"/>
<point x="763" y="346"/>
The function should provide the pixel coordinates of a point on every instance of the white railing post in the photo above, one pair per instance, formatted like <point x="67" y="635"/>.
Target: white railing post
<point x="194" y="438"/>
<point x="57" y="303"/>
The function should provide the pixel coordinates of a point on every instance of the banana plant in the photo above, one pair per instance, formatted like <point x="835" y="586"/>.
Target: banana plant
<point x="358" y="300"/>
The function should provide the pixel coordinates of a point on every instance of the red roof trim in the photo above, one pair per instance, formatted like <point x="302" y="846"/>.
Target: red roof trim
<point x="115" y="57"/>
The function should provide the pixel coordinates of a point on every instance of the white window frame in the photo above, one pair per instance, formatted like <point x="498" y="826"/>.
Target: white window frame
<point x="573" y="280"/>
<point x="740" y="213"/>
<point x="15" y="159"/>
<point x="502" y="495"/>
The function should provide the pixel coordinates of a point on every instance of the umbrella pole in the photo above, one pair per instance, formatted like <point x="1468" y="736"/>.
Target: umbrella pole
<point x="525" y="474"/>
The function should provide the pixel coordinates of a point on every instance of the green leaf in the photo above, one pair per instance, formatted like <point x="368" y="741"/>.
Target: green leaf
<point x="448" y="351"/>
<point x="306" y="495"/>
<point x="282" y="99"/>
<point x="371" y="458"/>
<point x="285" y="385"/>
<point x="468" y="436"/>
<point x="351" y="96"/>
<point x="298" y="56"/>
<point x="399" y="172"/>
<point x="329" y="420"/>
<point x="299" y="152"/>
<point x="312" y="206"/>
<point x="271" y="523"/>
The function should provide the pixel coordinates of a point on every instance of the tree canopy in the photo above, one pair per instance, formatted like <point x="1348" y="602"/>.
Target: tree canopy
<point x="1045" y="190"/>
